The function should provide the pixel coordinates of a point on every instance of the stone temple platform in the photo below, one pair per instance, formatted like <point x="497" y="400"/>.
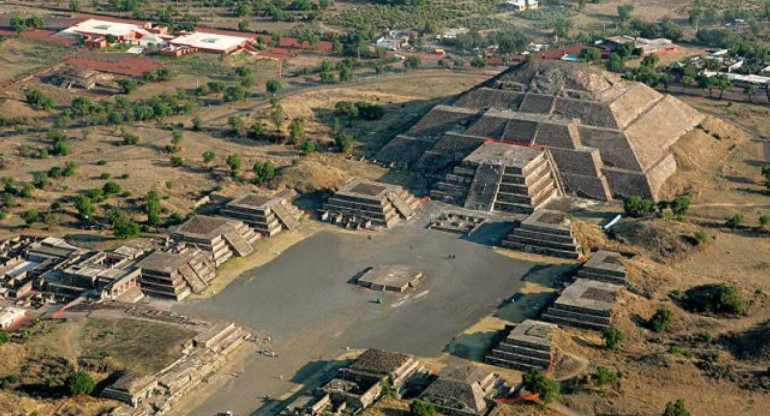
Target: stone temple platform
<point x="393" y="278"/>
<point x="584" y="304"/>
<point x="527" y="346"/>
<point x="454" y="222"/>
<point x="500" y="177"/>
<point x="268" y="215"/>
<point x="375" y="202"/>
<point x="604" y="266"/>
<point x="544" y="232"/>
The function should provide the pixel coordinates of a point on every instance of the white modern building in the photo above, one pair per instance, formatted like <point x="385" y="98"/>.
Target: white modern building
<point x="10" y="315"/>
<point x="522" y="5"/>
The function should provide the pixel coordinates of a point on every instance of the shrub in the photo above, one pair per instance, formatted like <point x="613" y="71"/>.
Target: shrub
<point x="701" y="237"/>
<point x="4" y="337"/>
<point x="176" y="161"/>
<point x="676" y="409"/>
<point x="661" y="319"/>
<point x="29" y="216"/>
<point x="105" y="176"/>
<point x="273" y="85"/>
<point x="101" y="163"/>
<point x="764" y="220"/>
<point x="612" y="337"/>
<point x="420" y="408"/>
<point x="735" y="221"/>
<point x="715" y="298"/>
<point x="80" y="383"/>
<point x="307" y="147"/>
<point x="111" y="188"/>
<point x="603" y="376"/>
<point x="537" y="382"/>
<point x="637" y="207"/>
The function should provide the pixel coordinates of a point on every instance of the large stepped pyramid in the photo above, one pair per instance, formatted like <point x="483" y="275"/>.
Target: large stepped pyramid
<point x="500" y="177"/>
<point x="544" y="232"/>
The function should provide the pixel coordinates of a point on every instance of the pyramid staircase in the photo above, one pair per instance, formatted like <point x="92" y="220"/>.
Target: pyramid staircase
<point x="482" y="191"/>
<point x="193" y="279"/>
<point x="288" y="216"/>
<point x="493" y="187"/>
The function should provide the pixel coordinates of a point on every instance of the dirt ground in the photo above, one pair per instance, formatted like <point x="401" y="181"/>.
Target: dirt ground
<point x="143" y="167"/>
<point x="53" y="349"/>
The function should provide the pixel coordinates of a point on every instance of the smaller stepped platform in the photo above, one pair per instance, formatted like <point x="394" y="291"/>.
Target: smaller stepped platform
<point x="500" y="177"/>
<point x="545" y="232"/>
<point x="604" y="266"/>
<point x="584" y="304"/>
<point x="371" y="202"/>
<point x="268" y="215"/>
<point x="527" y="346"/>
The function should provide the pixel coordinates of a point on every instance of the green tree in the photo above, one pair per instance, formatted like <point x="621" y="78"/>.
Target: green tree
<point x="296" y="130"/>
<point x="29" y="216"/>
<point x="85" y="207"/>
<point x="273" y="85"/>
<point x="307" y="147"/>
<point x="478" y="62"/>
<point x="590" y="55"/>
<point x="111" y="188"/>
<point x="764" y="220"/>
<point x="625" y="12"/>
<point x="37" y="99"/>
<point x="5" y="337"/>
<point x="80" y="383"/>
<point x="208" y="157"/>
<point x="236" y="125"/>
<point x="661" y="319"/>
<point x="615" y="63"/>
<point x="722" y="83"/>
<point x="635" y="206"/>
<point x="735" y="221"/>
<point x="421" y="408"/>
<point x="128" y="85"/>
<point x="197" y="123"/>
<point x="243" y="25"/>
<point x="152" y="207"/>
<point x="613" y="336"/>
<point x="412" y="62"/>
<point x="234" y="162"/>
<point x="680" y="206"/>
<point x="343" y="142"/>
<point x="537" y="382"/>
<point x="176" y="161"/>
<point x="676" y="409"/>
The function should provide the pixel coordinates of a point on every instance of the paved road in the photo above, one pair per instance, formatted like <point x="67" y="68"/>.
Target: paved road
<point x="304" y="301"/>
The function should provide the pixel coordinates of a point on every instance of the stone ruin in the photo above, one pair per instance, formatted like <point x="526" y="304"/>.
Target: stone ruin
<point x="584" y="304"/>
<point x="455" y="222"/>
<point x="604" y="266"/>
<point x="268" y="215"/>
<point x="545" y="232"/>
<point x="502" y="178"/>
<point x="607" y="137"/>
<point x="526" y="347"/>
<point x="392" y="278"/>
<point x="363" y="204"/>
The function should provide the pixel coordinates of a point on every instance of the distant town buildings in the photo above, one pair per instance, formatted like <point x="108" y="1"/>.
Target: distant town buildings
<point x="657" y="46"/>
<point x="394" y="40"/>
<point x="98" y="33"/>
<point x="522" y="5"/>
